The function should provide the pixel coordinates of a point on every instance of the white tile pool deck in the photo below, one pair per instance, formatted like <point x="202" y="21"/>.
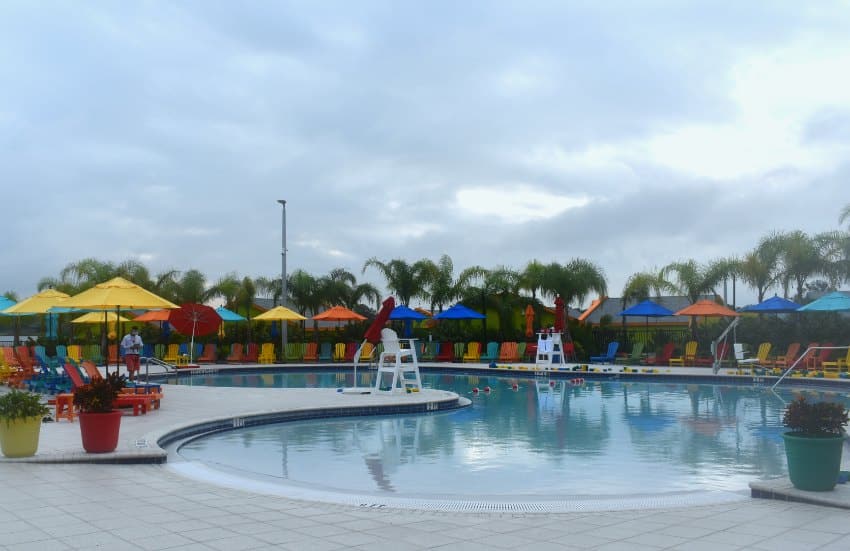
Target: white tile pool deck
<point x="87" y="506"/>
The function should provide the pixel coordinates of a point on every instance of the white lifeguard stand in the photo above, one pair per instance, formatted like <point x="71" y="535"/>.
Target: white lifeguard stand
<point x="550" y="350"/>
<point x="392" y="361"/>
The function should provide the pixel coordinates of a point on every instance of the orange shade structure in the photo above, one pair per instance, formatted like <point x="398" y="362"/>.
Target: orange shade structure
<point x="707" y="308"/>
<point x="338" y="313"/>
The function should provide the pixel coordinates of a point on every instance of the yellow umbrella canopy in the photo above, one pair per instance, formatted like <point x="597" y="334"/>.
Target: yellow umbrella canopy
<point x="100" y="317"/>
<point x="39" y="303"/>
<point x="117" y="293"/>
<point x="279" y="313"/>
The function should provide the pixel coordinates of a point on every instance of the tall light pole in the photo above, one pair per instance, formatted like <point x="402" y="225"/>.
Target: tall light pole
<point x="283" y="327"/>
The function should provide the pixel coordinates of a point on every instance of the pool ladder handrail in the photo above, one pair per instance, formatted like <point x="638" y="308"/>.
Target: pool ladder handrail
<point x="147" y="360"/>
<point x="803" y="355"/>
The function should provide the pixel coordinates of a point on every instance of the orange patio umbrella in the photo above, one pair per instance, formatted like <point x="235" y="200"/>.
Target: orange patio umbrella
<point x="338" y="313"/>
<point x="154" y="315"/>
<point x="707" y="308"/>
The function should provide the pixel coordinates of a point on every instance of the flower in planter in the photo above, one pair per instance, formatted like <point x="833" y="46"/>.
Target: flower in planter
<point x="815" y="419"/>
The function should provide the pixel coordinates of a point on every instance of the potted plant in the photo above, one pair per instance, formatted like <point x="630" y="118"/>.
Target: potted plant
<point x="813" y="446"/>
<point x="20" y="423"/>
<point x="99" y="423"/>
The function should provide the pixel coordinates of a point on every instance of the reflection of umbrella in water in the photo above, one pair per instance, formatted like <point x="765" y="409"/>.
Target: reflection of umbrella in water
<point x="115" y="294"/>
<point x="408" y="315"/>
<point x="194" y="319"/>
<point x="643" y="418"/>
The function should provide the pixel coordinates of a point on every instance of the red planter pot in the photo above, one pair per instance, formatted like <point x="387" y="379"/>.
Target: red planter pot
<point x="100" y="431"/>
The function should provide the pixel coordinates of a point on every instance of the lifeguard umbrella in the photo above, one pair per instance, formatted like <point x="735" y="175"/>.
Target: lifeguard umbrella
<point x="773" y="305"/>
<point x="373" y="334"/>
<point x="560" y="314"/>
<point x="115" y="294"/>
<point x="529" y="321"/>
<point x="833" y="302"/>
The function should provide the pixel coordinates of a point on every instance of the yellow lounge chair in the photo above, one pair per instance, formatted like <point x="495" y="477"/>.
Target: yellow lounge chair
<point x="688" y="357"/>
<point x="266" y="353"/>
<point x="473" y="352"/>
<point x="840" y="364"/>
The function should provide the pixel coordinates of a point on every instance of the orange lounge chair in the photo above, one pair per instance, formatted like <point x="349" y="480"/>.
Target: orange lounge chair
<point x="209" y="355"/>
<point x="311" y="353"/>
<point x="139" y="402"/>
<point x="789" y="358"/>
<point x="235" y="353"/>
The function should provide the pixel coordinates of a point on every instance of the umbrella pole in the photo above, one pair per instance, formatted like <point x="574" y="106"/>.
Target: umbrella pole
<point x="192" y="342"/>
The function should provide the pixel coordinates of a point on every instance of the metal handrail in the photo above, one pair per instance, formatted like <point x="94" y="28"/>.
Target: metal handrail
<point x="805" y="354"/>
<point x="169" y="368"/>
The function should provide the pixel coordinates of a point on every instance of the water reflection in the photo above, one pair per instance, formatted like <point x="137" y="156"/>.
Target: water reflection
<point x="526" y="436"/>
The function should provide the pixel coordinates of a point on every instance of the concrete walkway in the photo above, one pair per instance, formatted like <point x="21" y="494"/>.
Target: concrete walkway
<point x="84" y="506"/>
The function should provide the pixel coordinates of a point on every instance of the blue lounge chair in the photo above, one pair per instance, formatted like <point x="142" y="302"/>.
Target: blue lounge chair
<point x="609" y="357"/>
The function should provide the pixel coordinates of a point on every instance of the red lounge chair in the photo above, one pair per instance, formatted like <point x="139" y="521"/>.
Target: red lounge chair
<point x="310" y="352"/>
<point x="708" y="361"/>
<point x="664" y="357"/>
<point x="253" y="353"/>
<point x="350" y="351"/>
<point x="139" y="402"/>
<point x="447" y="352"/>
<point x="784" y="362"/>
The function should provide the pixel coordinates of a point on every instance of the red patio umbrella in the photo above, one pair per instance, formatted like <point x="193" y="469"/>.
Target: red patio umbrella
<point x="373" y="334"/>
<point x="194" y="319"/>
<point x="529" y="321"/>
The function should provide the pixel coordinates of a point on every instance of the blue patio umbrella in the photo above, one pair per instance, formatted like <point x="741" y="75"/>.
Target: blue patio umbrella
<point x="833" y="302"/>
<point x="402" y="312"/>
<point x="228" y="315"/>
<point x="459" y="312"/>
<point x="773" y="305"/>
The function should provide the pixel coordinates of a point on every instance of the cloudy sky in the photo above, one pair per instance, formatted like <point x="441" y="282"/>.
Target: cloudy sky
<point x="629" y="134"/>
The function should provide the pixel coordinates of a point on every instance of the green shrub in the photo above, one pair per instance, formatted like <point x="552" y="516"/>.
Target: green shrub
<point x="815" y="419"/>
<point x="18" y="404"/>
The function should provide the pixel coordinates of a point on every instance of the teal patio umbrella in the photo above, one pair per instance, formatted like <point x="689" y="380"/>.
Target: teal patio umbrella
<point x="833" y="302"/>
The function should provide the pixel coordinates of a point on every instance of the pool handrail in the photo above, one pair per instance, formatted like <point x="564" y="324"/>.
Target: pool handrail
<point x="804" y="355"/>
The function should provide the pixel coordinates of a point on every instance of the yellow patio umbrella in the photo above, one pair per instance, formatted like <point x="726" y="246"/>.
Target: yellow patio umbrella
<point x="115" y="294"/>
<point x="39" y="303"/>
<point x="100" y="317"/>
<point x="280" y="313"/>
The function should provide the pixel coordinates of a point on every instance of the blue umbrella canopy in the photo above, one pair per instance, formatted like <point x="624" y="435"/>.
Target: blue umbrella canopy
<point x="228" y="315"/>
<point x="5" y="303"/>
<point x="459" y="312"/>
<point x="402" y="312"/>
<point x="773" y="305"/>
<point x="833" y="302"/>
<point x="647" y="308"/>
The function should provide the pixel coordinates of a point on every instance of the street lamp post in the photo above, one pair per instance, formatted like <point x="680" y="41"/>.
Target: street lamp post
<point x="283" y="327"/>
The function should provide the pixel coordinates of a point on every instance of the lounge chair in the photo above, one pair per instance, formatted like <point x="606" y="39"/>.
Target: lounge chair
<point x="209" y="355"/>
<point x="634" y="358"/>
<point x="708" y="361"/>
<point x="339" y="352"/>
<point x="473" y="352"/>
<point x="459" y="352"/>
<point x="266" y="353"/>
<point x="530" y="351"/>
<point x="235" y="353"/>
<point x="447" y="352"/>
<point x="817" y="357"/>
<point x="74" y="351"/>
<point x="350" y="351"/>
<point x="786" y="360"/>
<point x="491" y="354"/>
<point x="508" y="352"/>
<point x="252" y="353"/>
<point x="608" y="357"/>
<point x="311" y="353"/>
<point x="139" y="402"/>
<point x="429" y="351"/>
<point x="841" y="364"/>
<point x="687" y="357"/>
<point x="325" y="352"/>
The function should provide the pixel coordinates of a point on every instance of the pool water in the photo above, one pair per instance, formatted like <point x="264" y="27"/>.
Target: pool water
<point x="544" y="438"/>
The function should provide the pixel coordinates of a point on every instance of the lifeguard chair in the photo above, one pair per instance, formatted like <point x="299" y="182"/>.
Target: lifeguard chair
<point x="550" y="350"/>
<point x="392" y="361"/>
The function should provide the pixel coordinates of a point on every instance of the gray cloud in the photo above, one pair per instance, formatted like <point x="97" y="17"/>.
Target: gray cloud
<point x="168" y="131"/>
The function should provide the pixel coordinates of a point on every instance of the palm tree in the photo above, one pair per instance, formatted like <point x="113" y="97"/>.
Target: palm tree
<point x="760" y="267"/>
<point x="694" y="280"/>
<point x="406" y="281"/>
<point x="845" y="214"/>
<point x="497" y="289"/>
<point x="801" y="258"/>
<point x="532" y="278"/>
<point x="574" y="281"/>
<point x="641" y="285"/>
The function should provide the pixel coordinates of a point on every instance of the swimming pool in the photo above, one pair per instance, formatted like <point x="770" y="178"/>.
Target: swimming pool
<point x="544" y="438"/>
